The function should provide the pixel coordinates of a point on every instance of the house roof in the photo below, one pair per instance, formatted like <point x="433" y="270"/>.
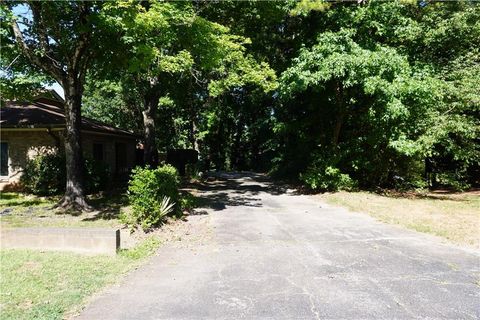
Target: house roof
<point x="48" y="113"/>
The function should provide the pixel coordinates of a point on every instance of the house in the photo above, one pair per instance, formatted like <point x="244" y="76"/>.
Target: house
<point x="29" y="128"/>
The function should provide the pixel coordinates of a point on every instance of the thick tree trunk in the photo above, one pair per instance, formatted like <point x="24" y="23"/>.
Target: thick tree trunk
<point x="74" y="197"/>
<point x="150" y="147"/>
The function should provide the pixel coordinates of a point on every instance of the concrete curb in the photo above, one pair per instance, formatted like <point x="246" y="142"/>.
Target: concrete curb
<point x="78" y="240"/>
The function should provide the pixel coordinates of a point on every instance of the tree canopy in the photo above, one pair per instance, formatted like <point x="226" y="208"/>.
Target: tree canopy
<point x="330" y="93"/>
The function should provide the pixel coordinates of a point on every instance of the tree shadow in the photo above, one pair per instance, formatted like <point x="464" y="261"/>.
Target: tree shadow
<point x="237" y="183"/>
<point x="229" y="189"/>
<point x="221" y="200"/>
<point x="108" y="207"/>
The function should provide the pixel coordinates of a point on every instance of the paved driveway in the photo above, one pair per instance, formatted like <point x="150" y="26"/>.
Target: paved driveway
<point x="276" y="255"/>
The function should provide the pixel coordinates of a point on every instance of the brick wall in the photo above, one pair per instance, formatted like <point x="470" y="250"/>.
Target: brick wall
<point x="23" y="145"/>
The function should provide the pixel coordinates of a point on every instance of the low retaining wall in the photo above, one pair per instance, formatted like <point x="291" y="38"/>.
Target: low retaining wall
<point x="80" y="240"/>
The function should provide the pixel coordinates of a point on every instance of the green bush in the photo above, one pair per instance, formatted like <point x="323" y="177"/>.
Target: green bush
<point x="192" y="171"/>
<point x="97" y="175"/>
<point x="453" y="179"/>
<point x="188" y="202"/>
<point x="150" y="192"/>
<point x="45" y="175"/>
<point x="323" y="175"/>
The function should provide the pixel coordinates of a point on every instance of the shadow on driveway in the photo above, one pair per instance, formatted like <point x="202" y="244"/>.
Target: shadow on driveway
<point x="226" y="189"/>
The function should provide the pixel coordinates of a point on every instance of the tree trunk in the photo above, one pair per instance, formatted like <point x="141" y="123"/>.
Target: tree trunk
<point x="150" y="148"/>
<point x="340" y="114"/>
<point x="74" y="197"/>
<point x="195" y="145"/>
<point x="338" y="126"/>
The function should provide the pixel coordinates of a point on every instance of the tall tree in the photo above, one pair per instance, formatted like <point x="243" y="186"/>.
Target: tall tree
<point x="56" y="37"/>
<point x="168" y="43"/>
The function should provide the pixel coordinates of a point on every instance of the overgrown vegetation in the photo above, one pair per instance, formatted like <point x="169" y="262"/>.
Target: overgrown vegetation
<point x="377" y="94"/>
<point x="335" y="94"/>
<point x="153" y="194"/>
<point x="50" y="285"/>
<point x="44" y="175"/>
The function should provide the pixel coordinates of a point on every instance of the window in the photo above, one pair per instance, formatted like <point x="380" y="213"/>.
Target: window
<point x="98" y="151"/>
<point x="4" y="159"/>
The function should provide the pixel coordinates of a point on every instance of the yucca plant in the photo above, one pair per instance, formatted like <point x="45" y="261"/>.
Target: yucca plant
<point x="164" y="208"/>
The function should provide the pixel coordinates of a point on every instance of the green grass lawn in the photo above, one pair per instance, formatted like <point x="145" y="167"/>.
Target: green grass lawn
<point x="52" y="285"/>
<point x="453" y="216"/>
<point x="31" y="211"/>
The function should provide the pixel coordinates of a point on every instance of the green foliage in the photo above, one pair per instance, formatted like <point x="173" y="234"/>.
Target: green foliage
<point x="110" y="102"/>
<point x="97" y="175"/>
<point x="327" y="89"/>
<point x="153" y="194"/>
<point x="19" y="79"/>
<point x="44" y="175"/>
<point x="188" y="201"/>
<point x="323" y="175"/>
<point x="304" y="7"/>
<point x="455" y="179"/>
<point x="370" y="97"/>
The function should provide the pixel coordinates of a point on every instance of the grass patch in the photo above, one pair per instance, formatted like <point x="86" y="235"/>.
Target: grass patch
<point x="47" y="285"/>
<point x="455" y="217"/>
<point x="13" y="199"/>
<point x="19" y="210"/>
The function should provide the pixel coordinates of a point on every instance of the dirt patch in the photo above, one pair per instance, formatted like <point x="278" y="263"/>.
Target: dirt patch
<point x="188" y="231"/>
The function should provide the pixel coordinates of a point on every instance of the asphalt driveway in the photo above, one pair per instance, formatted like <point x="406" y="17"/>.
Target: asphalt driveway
<point x="271" y="254"/>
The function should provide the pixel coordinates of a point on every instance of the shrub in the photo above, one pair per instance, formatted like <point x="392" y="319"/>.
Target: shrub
<point x="151" y="192"/>
<point x="323" y="175"/>
<point x="452" y="179"/>
<point x="192" y="171"/>
<point x="45" y="175"/>
<point x="97" y="175"/>
<point x="327" y="179"/>
<point x="188" y="201"/>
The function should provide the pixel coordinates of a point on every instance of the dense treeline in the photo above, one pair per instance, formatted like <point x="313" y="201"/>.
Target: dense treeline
<point x="335" y="94"/>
